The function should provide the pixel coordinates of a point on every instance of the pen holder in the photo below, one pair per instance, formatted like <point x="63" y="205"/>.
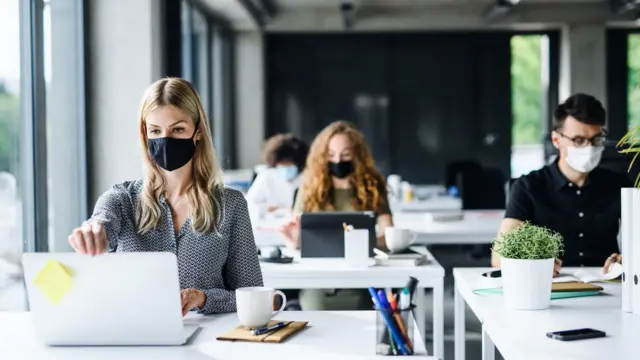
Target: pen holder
<point x="394" y="331"/>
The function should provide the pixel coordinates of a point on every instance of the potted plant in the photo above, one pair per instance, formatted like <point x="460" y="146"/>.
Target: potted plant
<point x="527" y="256"/>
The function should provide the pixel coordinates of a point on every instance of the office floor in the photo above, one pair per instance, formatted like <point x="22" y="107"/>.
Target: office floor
<point x="473" y="351"/>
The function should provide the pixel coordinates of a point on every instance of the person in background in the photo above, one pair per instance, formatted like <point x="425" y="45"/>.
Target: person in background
<point x="340" y="176"/>
<point x="274" y="188"/>
<point x="180" y="205"/>
<point x="572" y="196"/>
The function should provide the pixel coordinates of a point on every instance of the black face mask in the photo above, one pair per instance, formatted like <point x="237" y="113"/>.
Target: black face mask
<point x="171" y="153"/>
<point x="341" y="169"/>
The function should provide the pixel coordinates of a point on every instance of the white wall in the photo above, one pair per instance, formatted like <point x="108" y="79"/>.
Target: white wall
<point x="125" y="59"/>
<point x="250" y="97"/>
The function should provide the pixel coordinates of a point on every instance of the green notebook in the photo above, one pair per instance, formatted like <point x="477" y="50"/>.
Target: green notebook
<point x="554" y="295"/>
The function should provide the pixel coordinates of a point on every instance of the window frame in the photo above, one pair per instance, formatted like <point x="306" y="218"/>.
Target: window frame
<point x="34" y="177"/>
<point x="33" y="166"/>
<point x="220" y="78"/>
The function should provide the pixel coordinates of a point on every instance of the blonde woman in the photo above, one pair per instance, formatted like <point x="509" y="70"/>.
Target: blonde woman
<point x="180" y="206"/>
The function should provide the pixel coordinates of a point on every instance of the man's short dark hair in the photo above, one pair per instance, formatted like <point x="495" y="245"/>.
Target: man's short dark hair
<point x="285" y="147"/>
<point x="582" y="107"/>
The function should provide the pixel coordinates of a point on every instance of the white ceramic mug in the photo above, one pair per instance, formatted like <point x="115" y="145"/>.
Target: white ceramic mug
<point x="255" y="305"/>
<point x="398" y="239"/>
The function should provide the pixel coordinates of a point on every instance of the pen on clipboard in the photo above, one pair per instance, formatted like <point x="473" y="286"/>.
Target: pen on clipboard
<point x="271" y="328"/>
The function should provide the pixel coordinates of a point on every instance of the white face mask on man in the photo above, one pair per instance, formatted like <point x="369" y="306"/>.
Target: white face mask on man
<point x="584" y="159"/>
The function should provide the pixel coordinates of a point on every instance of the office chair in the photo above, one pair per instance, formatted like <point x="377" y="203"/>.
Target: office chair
<point x="507" y="190"/>
<point x="454" y="168"/>
<point x="482" y="189"/>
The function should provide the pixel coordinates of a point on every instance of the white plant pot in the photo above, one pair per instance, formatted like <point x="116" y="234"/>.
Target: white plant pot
<point x="526" y="284"/>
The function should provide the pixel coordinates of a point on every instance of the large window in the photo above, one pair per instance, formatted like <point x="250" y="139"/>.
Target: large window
<point x="201" y="60"/>
<point x="11" y="295"/>
<point x="42" y="165"/>
<point x="207" y="62"/>
<point x="529" y="81"/>
<point x="633" y="83"/>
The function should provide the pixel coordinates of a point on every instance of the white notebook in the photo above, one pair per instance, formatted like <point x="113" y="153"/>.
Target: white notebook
<point x="590" y="275"/>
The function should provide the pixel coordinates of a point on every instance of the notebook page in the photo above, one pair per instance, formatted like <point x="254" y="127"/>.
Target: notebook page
<point x="563" y="278"/>
<point x="597" y="275"/>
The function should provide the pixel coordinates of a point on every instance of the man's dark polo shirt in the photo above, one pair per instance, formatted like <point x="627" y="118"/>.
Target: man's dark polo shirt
<point x="588" y="217"/>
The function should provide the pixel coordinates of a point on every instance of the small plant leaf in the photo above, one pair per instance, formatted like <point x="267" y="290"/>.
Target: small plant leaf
<point x="632" y="138"/>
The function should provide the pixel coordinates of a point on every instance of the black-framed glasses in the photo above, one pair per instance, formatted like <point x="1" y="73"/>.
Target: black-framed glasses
<point x="581" y="141"/>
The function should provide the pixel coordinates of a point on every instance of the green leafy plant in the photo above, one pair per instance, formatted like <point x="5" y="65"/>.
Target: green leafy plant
<point x="632" y="138"/>
<point x="529" y="242"/>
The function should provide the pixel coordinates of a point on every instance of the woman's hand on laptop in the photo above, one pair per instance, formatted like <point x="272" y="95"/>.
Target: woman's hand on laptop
<point x="192" y="298"/>
<point x="89" y="239"/>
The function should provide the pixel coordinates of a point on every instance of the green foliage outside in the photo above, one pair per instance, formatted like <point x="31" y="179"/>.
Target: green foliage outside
<point x="526" y="89"/>
<point x="633" y="100"/>
<point x="633" y="83"/>
<point x="9" y="130"/>
<point x="529" y="242"/>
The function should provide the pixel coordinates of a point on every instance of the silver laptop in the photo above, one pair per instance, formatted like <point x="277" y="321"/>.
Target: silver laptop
<point x="115" y="299"/>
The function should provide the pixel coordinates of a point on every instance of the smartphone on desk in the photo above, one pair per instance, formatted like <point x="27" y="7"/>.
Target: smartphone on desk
<point x="577" y="334"/>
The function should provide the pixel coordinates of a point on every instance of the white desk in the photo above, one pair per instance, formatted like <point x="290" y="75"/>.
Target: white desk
<point x="331" y="335"/>
<point x="333" y="273"/>
<point x="477" y="227"/>
<point x="434" y="203"/>
<point x="521" y="335"/>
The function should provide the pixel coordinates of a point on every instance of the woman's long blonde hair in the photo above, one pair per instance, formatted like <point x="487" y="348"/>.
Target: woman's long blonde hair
<point x="204" y="206"/>
<point x="368" y="184"/>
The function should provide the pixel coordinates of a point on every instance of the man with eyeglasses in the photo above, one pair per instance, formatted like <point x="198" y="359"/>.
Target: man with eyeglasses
<point x="572" y="195"/>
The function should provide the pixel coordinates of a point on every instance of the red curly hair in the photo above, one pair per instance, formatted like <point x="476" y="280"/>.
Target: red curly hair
<point x="317" y="187"/>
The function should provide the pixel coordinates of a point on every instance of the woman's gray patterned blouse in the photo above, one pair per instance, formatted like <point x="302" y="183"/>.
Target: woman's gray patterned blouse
<point x="217" y="264"/>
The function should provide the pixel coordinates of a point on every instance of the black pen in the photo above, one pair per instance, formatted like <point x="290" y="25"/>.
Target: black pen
<point x="265" y="330"/>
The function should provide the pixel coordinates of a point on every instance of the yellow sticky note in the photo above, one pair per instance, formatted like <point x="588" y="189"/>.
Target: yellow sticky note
<point x="54" y="280"/>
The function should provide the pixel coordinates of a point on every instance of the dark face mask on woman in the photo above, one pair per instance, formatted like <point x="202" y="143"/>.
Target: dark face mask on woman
<point x="171" y="153"/>
<point x="341" y="169"/>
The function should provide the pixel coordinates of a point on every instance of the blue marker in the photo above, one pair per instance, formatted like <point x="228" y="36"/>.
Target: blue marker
<point x="379" y="302"/>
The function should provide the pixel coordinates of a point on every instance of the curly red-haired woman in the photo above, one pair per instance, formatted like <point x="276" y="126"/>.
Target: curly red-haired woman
<point x="340" y="175"/>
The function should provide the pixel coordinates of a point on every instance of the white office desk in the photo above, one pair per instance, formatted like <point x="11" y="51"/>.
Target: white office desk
<point x="330" y="335"/>
<point x="434" y="203"/>
<point x="521" y="335"/>
<point x="477" y="227"/>
<point x="334" y="273"/>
